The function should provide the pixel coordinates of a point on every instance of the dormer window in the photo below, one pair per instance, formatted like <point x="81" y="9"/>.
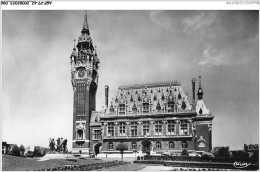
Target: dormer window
<point x="121" y="109"/>
<point x="170" y="106"/>
<point x="158" y="107"/>
<point x="183" y="105"/>
<point x="145" y="107"/>
<point x="111" y="108"/>
<point x="134" y="109"/>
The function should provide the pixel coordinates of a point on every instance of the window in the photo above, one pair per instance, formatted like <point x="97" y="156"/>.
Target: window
<point x="134" y="129"/>
<point x="122" y="129"/>
<point x="184" y="128"/>
<point x="201" y="142"/>
<point x="134" y="145"/>
<point x="170" y="106"/>
<point x="80" y="134"/>
<point x="145" y="107"/>
<point x="110" y="145"/>
<point x="121" y="109"/>
<point x="158" y="145"/>
<point x="184" y="145"/>
<point x="171" y="127"/>
<point x="80" y="145"/>
<point x="97" y="134"/>
<point x="158" y="127"/>
<point x="110" y="129"/>
<point x="146" y="128"/>
<point x="171" y="145"/>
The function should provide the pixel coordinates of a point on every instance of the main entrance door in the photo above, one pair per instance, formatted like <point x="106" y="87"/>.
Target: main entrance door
<point x="97" y="148"/>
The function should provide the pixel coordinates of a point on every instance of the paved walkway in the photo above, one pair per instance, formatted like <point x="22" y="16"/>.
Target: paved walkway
<point x="156" y="168"/>
<point x="128" y="167"/>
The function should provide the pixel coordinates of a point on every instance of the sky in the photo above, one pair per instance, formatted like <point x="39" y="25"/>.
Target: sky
<point x="133" y="47"/>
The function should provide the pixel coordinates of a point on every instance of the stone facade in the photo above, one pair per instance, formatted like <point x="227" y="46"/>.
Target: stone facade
<point x="159" y="112"/>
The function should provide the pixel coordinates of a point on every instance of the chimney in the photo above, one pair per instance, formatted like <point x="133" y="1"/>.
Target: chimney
<point x="193" y="91"/>
<point x="106" y="96"/>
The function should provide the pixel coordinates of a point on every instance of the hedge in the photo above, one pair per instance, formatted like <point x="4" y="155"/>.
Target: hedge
<point x="86" y="167"/>
<point x="198" y="159"/>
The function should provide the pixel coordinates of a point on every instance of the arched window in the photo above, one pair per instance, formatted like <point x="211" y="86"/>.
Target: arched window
<point x="158" y="145"/>
<point x="134" y="145"/>
<point x="201" y="142"/>
<point x="80" y="134"/>
<point x="184" y="145"/>
<point x="110" y="145"/>
<point x="121" y="109"/>
<point x="171" y="145"/>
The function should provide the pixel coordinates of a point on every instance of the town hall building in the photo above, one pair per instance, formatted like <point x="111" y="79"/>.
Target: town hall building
<point x="159" y="112"/>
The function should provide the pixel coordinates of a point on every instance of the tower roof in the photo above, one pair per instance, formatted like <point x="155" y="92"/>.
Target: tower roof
<point x="85" y="23"/>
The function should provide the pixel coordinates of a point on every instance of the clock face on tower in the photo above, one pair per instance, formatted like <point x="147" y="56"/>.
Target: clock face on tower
<point x="81" y="73"/>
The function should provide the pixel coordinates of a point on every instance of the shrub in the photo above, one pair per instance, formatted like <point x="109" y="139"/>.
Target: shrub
<point x="15" y="151"/>
<point x="39" y="151"/>
<point x="22" y="149"/>
<point x="184" y="152"/>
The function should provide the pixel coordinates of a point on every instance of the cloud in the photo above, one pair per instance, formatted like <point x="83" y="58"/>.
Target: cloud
<point x="157" y="19"/>
<point x="212" y="56"/>
<point x="200" y="24"/>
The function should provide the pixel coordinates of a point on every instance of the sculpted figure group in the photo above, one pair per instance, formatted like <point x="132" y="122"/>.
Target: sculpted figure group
<point x="59" y="146"/>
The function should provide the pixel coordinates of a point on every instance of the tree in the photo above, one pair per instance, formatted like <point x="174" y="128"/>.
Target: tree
<point x="146" y="143"/>
<point x="255" y="156"/>
<point x="184" y="152"/>
<point x="121" y="147"/>
<point x="221" y="152"/>
<point x="22" y="149"/>
<point x="15" y="151"/>
<point x="242" y="154"/>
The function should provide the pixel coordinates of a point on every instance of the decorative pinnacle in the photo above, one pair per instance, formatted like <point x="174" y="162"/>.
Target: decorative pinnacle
<point x="74" y="40"/>
<point x="199" y="81"/>
<point x="85" y="24"/>
<point x="95" y="50"/>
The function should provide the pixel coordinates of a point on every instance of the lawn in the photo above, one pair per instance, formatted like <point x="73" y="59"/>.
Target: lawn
<point x="12" y="163"/>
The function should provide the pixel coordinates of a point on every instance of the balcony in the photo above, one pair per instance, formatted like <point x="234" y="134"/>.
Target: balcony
<point x="149" y="136"/>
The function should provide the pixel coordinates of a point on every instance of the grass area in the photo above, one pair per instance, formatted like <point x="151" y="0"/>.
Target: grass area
<point x="12" y="163"/>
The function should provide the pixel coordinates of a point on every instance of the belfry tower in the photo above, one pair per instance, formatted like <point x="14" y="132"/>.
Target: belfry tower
<point x="84" y="78"/>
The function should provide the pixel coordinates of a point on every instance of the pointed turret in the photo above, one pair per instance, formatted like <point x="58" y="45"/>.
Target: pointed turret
<point x="200" y="92"/>
<point x="200" y="107"/>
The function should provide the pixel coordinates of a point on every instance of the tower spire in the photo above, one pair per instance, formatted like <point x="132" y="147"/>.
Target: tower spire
<point x="85" y="23"/>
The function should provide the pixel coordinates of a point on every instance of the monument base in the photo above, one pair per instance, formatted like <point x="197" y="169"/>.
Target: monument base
<point x="79" y="151"/>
